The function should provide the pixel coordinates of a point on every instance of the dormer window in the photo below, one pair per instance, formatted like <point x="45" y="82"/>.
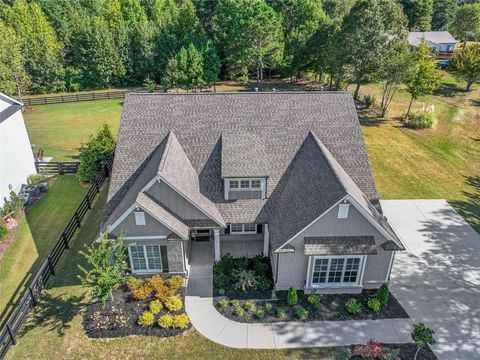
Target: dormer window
<point x="245" y="188"/>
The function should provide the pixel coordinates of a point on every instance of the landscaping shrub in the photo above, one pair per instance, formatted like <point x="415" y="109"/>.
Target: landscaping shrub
<point x="260" y="313"/>
<point x="238" y="311"/>
<point x="382" y="294"/>
<point x="165" y="321"/>
<point x="97" y="149"/>
<point x="281" y="313"/>
<point x="221" y="280"/>
<point x="3" y="230"/>
<point x="268" y="306"/>
<point x="245" y="280"/>
<point x="142" y="292"/>
<point x="13" y="204"/>
<point x="156" y="282"/>
<point x="374" y="304"/>
<point x="133" y="283"/>
<point x="174" y="303"/>
<point x="223" y="303"/>
<point x="163" y="293"/>
<point x="315" y="301"/>
<point x="422" y="120"/>
<point x="301" y="313"/>
<point x="181" y="321"/>
<point x="250" y="306"/>
<point x="353" y="306"/>
<point x="146" y="319"/>
<point x="260" y="267"/>
<point x="155" y="307"/>
<point x="369" y="101"/>
<point x="235" y="302"/>
<point x="263" y="283"/>
<point x="176" y="282"/>
<point x="292" y="297"/>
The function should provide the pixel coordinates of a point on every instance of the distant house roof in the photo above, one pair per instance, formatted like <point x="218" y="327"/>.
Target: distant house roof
<point x="8" y="107"/>
<point x="437" y="37"/>
<point x="309" y="145"/>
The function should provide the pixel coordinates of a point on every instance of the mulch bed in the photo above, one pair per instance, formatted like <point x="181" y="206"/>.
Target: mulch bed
<point x="333" y="310"/>
<point x="407" y="352"/>
<point x="127" y="308"/>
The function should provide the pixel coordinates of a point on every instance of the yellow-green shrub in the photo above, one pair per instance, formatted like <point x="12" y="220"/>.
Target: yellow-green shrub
<point x="165" y="321"/>
<point x="163" y="293"/>
<point x="142" y="292"/>
<point x="155" y="307"/>
<point x="146" y="319"/>
<point x="175" y="282"/>
<point x="156" y="282"/>
<point x="181" y="321"/>
<point x="133" y="283"/>
<point x="173" y="303"/>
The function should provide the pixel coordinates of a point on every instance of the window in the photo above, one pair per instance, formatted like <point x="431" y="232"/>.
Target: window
<point x="256" y="184"/>
<point x="243" y="229"/>
<point x="145" y="258"/>
<point x="233" y="184"/>
<point x="239" y="188"/>
<point x="328" y="271"/>
<point x="139" y="218"/>
<point x="343" y="211"/>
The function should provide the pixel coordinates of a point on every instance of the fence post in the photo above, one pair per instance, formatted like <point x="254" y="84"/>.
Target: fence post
<point x="34" y="301"/>
<point x="50" y="265"/>
<point x="77" y="218"/>
<point x="97" y="187"/>
<point x="105" y="167"/>
<point x="36" y="166"/>
<point x="12" y="336"/>
<point x="88" y="202"/>
<point x="64" y="238"/>
<point x="60" y="168"/>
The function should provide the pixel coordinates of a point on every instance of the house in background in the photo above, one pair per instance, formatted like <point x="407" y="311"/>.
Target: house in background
<point x="16" y="156"/>
<point x="442" y="43"/>
<point x="285" y="175"/>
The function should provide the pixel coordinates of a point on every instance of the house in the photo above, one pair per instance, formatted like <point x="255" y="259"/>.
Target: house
<point x="441" y="42"/>
<point x="16" y="156"/>
<point x="283" y="174"/>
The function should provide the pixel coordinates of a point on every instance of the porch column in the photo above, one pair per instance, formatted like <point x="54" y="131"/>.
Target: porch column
<point x="216" y="239"/>
<point x="266" y="240"/>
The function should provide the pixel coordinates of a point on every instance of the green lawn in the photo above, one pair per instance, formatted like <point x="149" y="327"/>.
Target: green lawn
<point x="36" y="236"/>
<point x="61" y="128"/>
<point x="54" y="331"/>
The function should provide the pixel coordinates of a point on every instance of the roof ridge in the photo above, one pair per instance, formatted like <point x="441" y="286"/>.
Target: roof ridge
<point x="167" y="149"/>
<point x="247" y="92"/>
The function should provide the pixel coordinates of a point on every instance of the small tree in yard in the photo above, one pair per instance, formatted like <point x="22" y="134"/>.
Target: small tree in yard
<point x="97" y="149"/>
<point x="107" y="266"/>
<point x="467" y="64"/>
<point x="424" y="77"/>
<point x="422" y="335"/>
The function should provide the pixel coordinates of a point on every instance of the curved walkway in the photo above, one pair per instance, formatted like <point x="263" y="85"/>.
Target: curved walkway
<point x="214" y="326"/>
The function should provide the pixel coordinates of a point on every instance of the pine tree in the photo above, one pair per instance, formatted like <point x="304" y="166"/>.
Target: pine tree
<point x="419" y="14"/>
<point x="443" y="14"/>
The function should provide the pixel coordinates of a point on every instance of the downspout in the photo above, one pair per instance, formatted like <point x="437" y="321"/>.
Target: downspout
<point x="276" y="270"/>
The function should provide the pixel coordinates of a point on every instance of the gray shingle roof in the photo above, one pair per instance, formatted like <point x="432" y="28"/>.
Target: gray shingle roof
<point x="340" y="245"/>
<point x="437" y="37"/>
<point x="278" y="123"/>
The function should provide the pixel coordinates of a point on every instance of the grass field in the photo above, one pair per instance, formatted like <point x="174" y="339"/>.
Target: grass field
<point x="36" y="236"/>
<point x="55" y="331"/>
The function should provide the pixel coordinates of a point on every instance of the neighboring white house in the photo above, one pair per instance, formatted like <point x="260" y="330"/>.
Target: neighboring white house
<point x="438" y="41"/>
<point x="16" y="156"/>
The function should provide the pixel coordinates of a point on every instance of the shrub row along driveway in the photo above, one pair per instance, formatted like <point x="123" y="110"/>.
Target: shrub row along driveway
<point x="438" y="279"/>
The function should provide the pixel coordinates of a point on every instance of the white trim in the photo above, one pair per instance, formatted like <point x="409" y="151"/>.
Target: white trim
<point x="148" y="270"/>
<point x="121" y="218"/>
<point x="390" y="266"/>
<point x="262" y="188"/>
<point x="266" y="240"/>
<point x="191" y="202"/>
<point x="308" y="278"/>
<point x="150" y="183"/>
<point x="216" y="239"/>
<point x="340" y="284"/>
<point x="313" y="222"/>
<point x="364" y="265"/>
<point x="156" y="237"/>
<point x="159" y="220"/>
<point x="243" y="232"/>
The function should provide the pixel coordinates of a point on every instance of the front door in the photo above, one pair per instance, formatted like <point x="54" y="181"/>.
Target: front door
<point x="202" y="235"/>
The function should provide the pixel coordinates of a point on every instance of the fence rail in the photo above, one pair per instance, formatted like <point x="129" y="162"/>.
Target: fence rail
<point x="55" y="167"/>
<point x="58" y="99"/>
<point x="29" y="299"/>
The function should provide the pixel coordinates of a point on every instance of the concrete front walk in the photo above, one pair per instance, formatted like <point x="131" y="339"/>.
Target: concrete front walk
<point x="214" y="326"/>
<point x="437" y="280"/>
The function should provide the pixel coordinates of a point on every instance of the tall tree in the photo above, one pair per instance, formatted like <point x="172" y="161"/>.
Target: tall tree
<point x="419" y="14"/>
<point x="211" y="64"/>
<point x="443" y="14"/>
<point x="39" y="44"/>
<point x="185" y="70"/>
<point x="466" y="24"/>
<point x="424" y="76"/>
<point x="140" y="65"/>
<point x="467" y="64"/>
<point x="336" y="10"/>
<point x="249" y="35"/>
<point x="13" y="77"/>
<point x="362" y="40"/>
<point x="300" y="19"/>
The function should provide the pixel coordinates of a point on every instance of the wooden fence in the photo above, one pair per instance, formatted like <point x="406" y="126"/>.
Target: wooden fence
<point x="11" y="326"/>
<point x="54" y="167"/>
<point x="58" y="99"/>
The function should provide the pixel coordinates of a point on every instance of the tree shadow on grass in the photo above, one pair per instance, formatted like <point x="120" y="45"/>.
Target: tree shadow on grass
<point x="470" y="208"/>
<point x="449" y="90"/>
<point x="54" y="313"/>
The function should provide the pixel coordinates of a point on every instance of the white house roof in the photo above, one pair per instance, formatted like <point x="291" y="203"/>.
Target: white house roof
<point x="437" y="37"/>
<point x="8" y="106"/>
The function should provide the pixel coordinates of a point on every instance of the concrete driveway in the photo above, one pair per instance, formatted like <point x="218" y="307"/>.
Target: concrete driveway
<point x="437" y="280"/>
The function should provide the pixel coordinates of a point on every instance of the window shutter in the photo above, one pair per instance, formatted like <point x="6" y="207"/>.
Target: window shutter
<point x="227" y="230"/>
<point x="164" y="256"/>
<point x="259" y="228"/>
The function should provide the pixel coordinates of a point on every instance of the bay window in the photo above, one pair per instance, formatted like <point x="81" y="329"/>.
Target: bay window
<point x="336" y="270"/>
